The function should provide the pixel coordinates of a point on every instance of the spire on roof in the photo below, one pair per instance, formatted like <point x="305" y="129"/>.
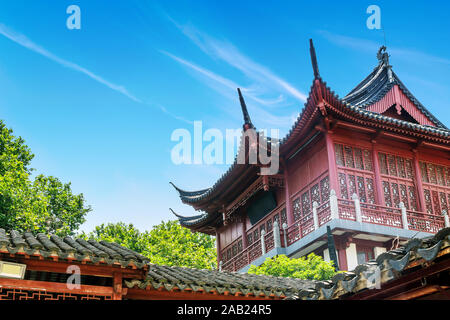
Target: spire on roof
<point x="314" y="59"/>
<point x="247" y="121"/>
<point x="383" y="61"/>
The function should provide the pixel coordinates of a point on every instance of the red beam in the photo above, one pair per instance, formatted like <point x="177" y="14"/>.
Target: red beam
<point x="140" y="294"/>
<point x="100" y="270"/>
<point x="54" y="287"/>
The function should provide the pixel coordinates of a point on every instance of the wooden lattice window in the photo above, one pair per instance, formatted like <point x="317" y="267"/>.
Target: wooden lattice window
<point x="18" y="294"/>
<point x="436" y="184"/>
<point x="353" y="157"/>
<point x="397" y="181"/>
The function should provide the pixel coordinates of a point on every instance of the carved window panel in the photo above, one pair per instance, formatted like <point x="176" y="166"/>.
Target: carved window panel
<point x="428" y="202"/>
<point x="392" y="165"/>
<point x="387" y="194"/>
<point x="351" y="185"/>
<point x="431" y="173"/>
<point x="325" y="189"/>
<point x="283" y="216"/>
<point x="250" y="238"/>
<point x="339" y="151"/>
<point x="383" y="163"/>
<point x="315" y="193"/>
<point x="370" y="191"/>
<point x="348" y="152"/>
<point x="412" y="198"/>
<point x="239" y="246"/>
<point x="404" y="195"/>
<point x="276" y="218"/>
<point x="443" y="199"/>
<point x="359" y="162"/>
<point x="306" y="203"/>
<point x="436" y="202"/>
<point x="343" y="185"/>
<point x="256" y="235"/>
<point x="269" y="225"/>
<point x="262" y="228"/>
<point x="409" y="169"/>
<point x="297" y="209"/>
<point x="395" y="194"/>
<point x="423" y="172"/>
<point x="353" y="157"/>
<point x="401" y="167"/>
<point x="361" y="189"/>
<point x="368" y="165"/>
<point x="234" y="250"/>
<point x="440" y="175"/>
<point x="447" y="176"/>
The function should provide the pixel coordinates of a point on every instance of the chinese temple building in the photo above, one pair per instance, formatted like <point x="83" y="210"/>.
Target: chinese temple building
<point x="372" y="166"/>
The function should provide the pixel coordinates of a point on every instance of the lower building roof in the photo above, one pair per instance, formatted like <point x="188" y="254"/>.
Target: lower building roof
<point x="15" y="242"/>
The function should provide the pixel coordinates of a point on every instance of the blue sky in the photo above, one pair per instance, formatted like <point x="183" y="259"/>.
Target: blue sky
<point x="98" y="105"/>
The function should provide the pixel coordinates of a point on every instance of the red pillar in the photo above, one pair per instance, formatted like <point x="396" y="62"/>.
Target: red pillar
<point x="244" y="233"/>
<point x="332" y="168"/>
<point x="287" y="195"/>
<point x="218" y="247"/>
<point x="117" y="286"/>
<point x="420" y="195"/>
<point x="379" y="194"/>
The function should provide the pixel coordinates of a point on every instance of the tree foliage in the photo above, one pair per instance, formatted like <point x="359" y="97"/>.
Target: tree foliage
<point x="167" y="243"/>
<point x="311" y="267"/>
<point x="44" y="204"/>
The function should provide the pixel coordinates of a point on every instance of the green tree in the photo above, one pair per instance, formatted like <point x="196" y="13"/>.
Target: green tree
<point x="167" y="243"/>
<point x="311" y="267"/>
<point x="121" y="233"/>
<point x="40" y="205"/>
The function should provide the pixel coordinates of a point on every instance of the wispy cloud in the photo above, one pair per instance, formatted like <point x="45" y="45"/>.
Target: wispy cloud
<point x="229" y="53"/>
<point x="211" y="75"/>
<point x="27" y="43"/>
<point x="261" y="113"/>
<point x="372" y="47"/>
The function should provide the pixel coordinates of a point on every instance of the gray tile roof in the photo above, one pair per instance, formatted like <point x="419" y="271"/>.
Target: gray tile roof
<point x="68" y="248"/>
<point x="390" y="265"/>
<point x="376" y="85"/>
<point x="168" y="278"/>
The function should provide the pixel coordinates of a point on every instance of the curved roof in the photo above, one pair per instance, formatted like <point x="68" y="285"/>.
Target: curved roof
<point x="79" y="249"/>
<point x="377" y="84"/>
<point x="372" y="89"/>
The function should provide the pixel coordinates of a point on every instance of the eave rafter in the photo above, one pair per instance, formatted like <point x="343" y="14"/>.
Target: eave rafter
<point x="262" y="183"/>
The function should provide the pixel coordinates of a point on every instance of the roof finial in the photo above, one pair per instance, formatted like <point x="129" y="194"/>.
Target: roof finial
<point x="383" y="56"/>
<point x="314" y="59"/>
<point x="247" y="121"/>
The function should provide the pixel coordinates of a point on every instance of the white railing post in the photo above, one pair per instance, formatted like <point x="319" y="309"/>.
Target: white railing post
<point x="263" y="244"/>
<point x="355" y="199"/>
<point x="446" y="220"/>
<point x="220" y="265"/>
<point x="276" y="235"/>
<point x="404" y="216"/>
<point x="315" y="217"/>
<point x="285" y="226"/>
<point x="334" y="205"/>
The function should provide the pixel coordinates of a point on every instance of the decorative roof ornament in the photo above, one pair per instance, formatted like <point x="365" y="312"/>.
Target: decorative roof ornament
<point x="383" y="58"/>
<point x="247" y="121"/>
<point x="312" y="52"/>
